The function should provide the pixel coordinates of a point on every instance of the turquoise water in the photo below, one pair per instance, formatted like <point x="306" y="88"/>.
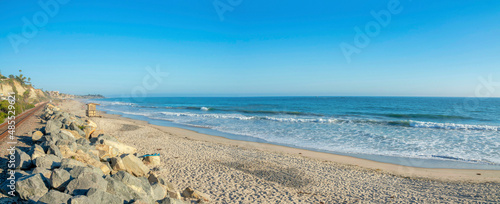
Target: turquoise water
<point x="413" y="131"/>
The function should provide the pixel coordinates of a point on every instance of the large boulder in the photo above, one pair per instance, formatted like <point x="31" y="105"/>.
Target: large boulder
<point x="78" y="170"/>
<point x="54" y="150"/>
<point x="54" y="196"/>
<point x="76" y="134"/>
<point x="36" y="151"/>
<point x="158" y="191"/>
<point x="134" y="165"/>
<point x="122" y="148"/>
<point x="31" y="187"/>
<point x="60" y="179"/>
<point x="81" y="184"/>
<point x="87" y="159"/>
<point x="67" y="134"/>
<point x="118" y="188"/>
<point x="100" y="196"/>
<point x="53" y="127"/>
<point x="23" y="160"/>
<point x="68" y="163"/>
<point x="48" y="162"/>
<point x="63" y="135"/>
<point x="69" y="143"/>
<point x="139" y="186"/>
<point x="36" y="136"/>
<point x="81" y="199"/>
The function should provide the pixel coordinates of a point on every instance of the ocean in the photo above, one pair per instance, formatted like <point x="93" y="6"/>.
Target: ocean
<point x="426" y="132"/>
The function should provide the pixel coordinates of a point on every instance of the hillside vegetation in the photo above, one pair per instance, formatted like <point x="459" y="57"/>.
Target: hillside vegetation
<point x="26" y="96"/>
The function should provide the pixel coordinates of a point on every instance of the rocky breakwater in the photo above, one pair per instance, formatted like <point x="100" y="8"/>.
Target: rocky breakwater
<point x="72" y="162"/>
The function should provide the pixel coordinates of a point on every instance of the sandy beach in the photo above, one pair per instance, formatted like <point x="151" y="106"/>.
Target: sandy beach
<point x="246" y="172"/>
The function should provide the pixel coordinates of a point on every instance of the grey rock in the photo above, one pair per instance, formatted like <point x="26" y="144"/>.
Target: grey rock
<point x="81" y="184"/>
<point x="87" y="149"/>
<point x="140" y="186"/>
<point x="81" y="199"/>
<point x="74" y="126"/>
<point x="158" y="191"/>
<point x="23" y="160"/>
<point x="64" y="135"/>
<point x="48" y="162"/>
<point x="68" y="163"/>
<point x="78" y="170"/>
<point x="54" y="197"/>
<point x="119" y="189"/>
<point x="53" y="127"/>
<point x="100" y="196"/>
<point x="97" y="171"/>
<point x="60" y="179"/>
<point x="71" y="144"/>
<point x="83" y="142"/>
<point x="45" y="175"/>
<point x="36" y="151"/>
<point x="54" y="150"/>
<point x="31" y="187"/>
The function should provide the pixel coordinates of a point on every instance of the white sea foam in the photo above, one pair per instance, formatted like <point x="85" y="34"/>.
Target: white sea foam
<point x="452" y="126"/>
<point x="221" y="116"/>
<point x="115" y="103"/>
<point x="411" y="123"/>
<point x="204" y="109"/>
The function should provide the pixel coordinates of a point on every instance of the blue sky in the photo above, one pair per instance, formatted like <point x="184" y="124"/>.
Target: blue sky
<point x="259" y="48"/>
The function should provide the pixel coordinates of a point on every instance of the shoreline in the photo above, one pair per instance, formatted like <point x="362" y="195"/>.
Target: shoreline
<point x="233" y="171"/>
<point x="440" y="174"/>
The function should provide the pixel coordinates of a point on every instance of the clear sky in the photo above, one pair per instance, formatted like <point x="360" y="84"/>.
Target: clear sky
<point x="253" y="47"/>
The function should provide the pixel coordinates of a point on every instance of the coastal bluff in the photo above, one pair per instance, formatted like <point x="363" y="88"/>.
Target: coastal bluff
<point x="71" y="161"/>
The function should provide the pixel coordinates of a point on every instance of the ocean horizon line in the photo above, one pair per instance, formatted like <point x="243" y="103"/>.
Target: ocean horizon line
<point x="310" y="96"/>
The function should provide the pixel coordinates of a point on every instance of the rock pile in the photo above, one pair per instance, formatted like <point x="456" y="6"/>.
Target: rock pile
<point x="71" y="162"/>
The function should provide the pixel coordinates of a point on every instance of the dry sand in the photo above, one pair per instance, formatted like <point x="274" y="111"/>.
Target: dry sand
<point x="246" y="172"/>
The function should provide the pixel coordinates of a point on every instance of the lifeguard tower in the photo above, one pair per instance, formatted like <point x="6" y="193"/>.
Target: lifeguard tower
<point x="91" y="110"/>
